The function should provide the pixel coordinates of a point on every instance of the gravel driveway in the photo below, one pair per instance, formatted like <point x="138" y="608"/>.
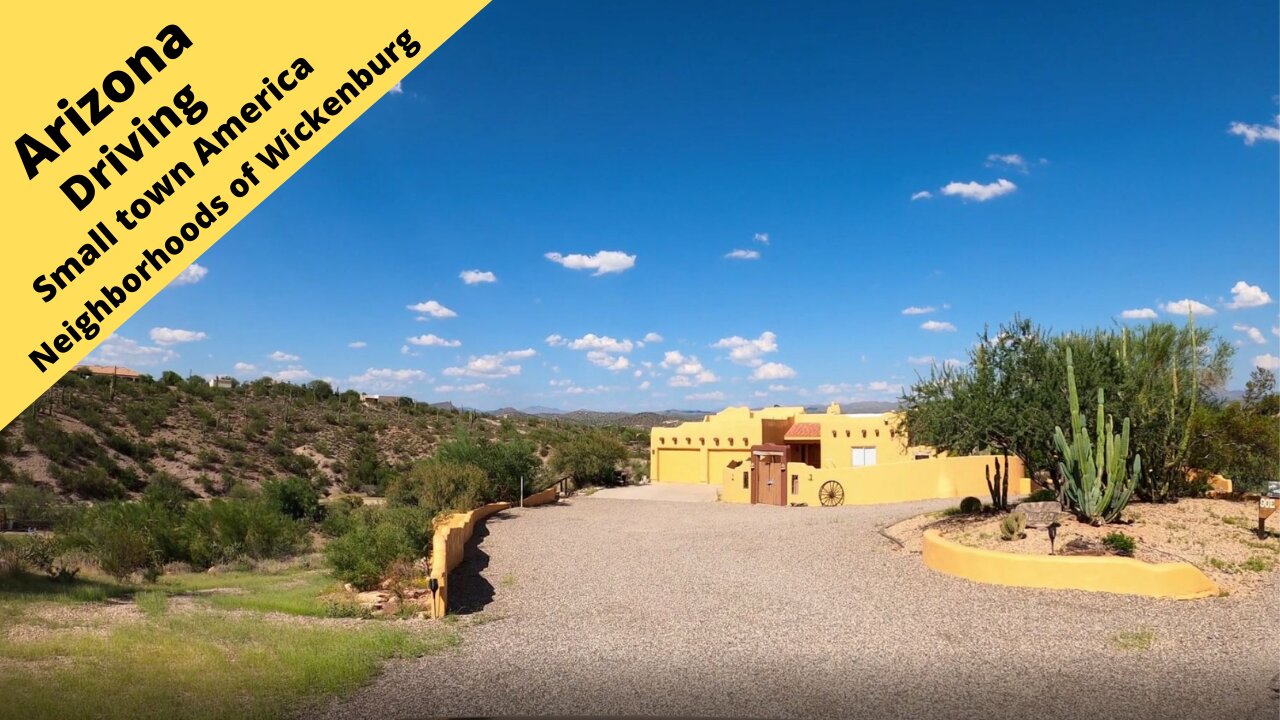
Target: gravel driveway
<point x="636" y="607"/>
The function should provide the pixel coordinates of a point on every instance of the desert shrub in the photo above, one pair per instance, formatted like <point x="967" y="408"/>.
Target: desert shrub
<point x="1119" y="543"/>
<point x="436" y="485"/>
<point x="338" y="515"/>
<point x="970" y="505"/>
<point x="126" y="538"/>
<point x="90" y="483"/>
<point x="139" y="450"/>
<point x="166" y="490"/>
<point x="295" y="464"/>
<point x="226" y="530"/>
<point x="374" y="541"/>
<point x="294" y="497"/>
<point x="28" y="553"/>
<point x="590" y="458"/>
<point x="205" y="416"/>
<point x="31" y="503"/>
<point x="148" y="414"/>
<point x="505" y="463"/>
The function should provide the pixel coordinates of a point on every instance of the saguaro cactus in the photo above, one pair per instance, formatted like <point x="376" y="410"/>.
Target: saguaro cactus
<point x="1098" y="481"/>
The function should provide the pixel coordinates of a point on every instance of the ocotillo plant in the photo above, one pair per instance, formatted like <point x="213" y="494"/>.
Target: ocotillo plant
<point x="1097" y="478"/>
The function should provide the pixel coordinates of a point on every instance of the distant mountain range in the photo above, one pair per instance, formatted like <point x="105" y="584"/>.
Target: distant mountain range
<point x="661" y="417"/>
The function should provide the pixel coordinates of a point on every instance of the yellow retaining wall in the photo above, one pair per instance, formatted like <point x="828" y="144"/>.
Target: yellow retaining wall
<point x="932" y="479"/>
<point x="1178" y="580"/>
<point x="447" y="545"/>
<point x="545" y="497"/>
<point x="452" y="534"/>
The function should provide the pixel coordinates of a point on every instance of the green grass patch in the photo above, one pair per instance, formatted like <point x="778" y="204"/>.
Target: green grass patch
<point x="1134" y="639"/>
<point x="64" y="651"/>
<point x="293" y="592"/>
<point x="200" y="665"/>
<point x="1258" y="563"/>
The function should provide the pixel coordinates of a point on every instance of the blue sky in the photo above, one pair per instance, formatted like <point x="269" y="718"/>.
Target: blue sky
<point x="602" y="161"/>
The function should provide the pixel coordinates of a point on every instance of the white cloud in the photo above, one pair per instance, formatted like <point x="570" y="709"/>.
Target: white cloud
<point x="358" y="344"/>
<point x="653" y="337"/>
<point x="607" y="361"/>
<point x="1252" y="333"/>
<point x="913" y="310"/>
<point x="432" y="308"/>
<point x="1139" y="314"/>
<point x="1267" y="362"/>
<point x="880" y="386"/>
<point x="831" y="388"/>
<point x="555" y="340"/>
<point x="937" y="326"/>
<point x="689" y="371"/>
<point x="953" y="362"/>
<point x="644" y="385"/>
<point x="433" y="340"/>
<point x="762" y="238"/>
<point x="406" y="350"/>
<point x="1013" y="160"/>
<point x="474" y="277"/>
<point x="978" y="191"/>
<point x="603" y="262"/>
<point x="281" y="356"/>
<point x="397" y="89"/>
<point x="773" y="371"/>
<point x="1253" y="133"/>
<point x="472" y="388"/>
<point x="171" y="336"/>
<point x="743" y="255"/>
<point x="491" y="366"/>
<point x="922" y="195"/>
<point x="1187" y="307"/>
<point x="191" y="275"/>
<point x="717" y="395"/>
<point x="387" y="379"/>
<point x="244" y="368"/>
<point x="591" y="341"/>
<point x="117" y="350"/>
<point x="293" y="373"/>
<point x="780" y="388"/>
<point x="1244" y="295"/>
<point x="920" y="360"/>
<point x="747" y="352"/>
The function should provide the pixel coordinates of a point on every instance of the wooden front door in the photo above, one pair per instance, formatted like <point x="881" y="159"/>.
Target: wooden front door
<point x="769" y="474"/>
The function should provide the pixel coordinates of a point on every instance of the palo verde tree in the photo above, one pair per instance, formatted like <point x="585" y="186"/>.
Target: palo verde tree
<point x="999" y="402"/>
<point x="1010" y="395"/>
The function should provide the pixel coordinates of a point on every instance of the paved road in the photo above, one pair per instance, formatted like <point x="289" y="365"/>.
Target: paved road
<point x="600" y="606"/>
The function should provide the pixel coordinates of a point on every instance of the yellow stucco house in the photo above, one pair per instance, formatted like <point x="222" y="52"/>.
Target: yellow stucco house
<point x="786" y="456"/>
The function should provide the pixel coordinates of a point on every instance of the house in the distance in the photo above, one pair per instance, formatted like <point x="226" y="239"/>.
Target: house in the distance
<point x="379" y="399"/>
<point x="113" y="371"/>
<point x="222" y="381"/>
<point x="786" y="456"/>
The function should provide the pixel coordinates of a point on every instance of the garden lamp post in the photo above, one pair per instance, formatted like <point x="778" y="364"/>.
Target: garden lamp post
<point x="433" y="585"/>
<point x="1053" y="535"/>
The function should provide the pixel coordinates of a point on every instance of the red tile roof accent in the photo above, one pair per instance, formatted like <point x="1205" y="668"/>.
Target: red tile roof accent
<point x="804" y="431"/>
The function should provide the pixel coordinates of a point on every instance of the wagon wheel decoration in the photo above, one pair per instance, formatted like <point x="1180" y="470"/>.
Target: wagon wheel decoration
<point x="831" y="494"/>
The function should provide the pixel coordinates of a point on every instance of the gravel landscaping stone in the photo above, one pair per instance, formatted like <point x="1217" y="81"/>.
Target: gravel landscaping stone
<point x="634" y="607"/>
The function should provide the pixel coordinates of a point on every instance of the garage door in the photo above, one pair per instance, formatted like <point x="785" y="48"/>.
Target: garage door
<point x="681" y="466"/>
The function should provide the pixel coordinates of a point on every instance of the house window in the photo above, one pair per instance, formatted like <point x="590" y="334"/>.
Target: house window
<point x="864" y="456"/>
<point x="746" y="479"/>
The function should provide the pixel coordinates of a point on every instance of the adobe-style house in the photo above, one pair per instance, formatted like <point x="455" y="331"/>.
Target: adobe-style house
<point x="112" y="371"/>
<point x="786" y="456"/>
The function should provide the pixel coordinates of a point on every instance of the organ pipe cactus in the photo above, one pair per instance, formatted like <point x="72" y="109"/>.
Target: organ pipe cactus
<point x="1097" y="478"/>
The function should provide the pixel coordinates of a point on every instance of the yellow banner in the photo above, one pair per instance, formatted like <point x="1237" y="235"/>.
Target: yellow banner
<point x="140" y="136"/>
